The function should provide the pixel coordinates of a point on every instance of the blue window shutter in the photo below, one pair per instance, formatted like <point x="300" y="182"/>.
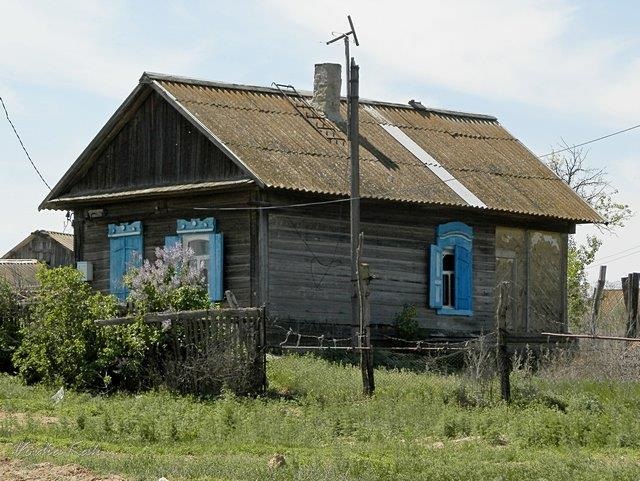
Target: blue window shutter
<point x="171" y="240"/>
<point x="216" y="267"/>
<point x="126" y="250"/>
<point x="435" y="277"/>
<point x="464" y="279"/>
<point x="117" y="256"/>
<point x="135" y="251"/>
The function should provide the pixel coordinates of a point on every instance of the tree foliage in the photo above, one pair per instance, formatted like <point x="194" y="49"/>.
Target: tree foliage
<point x="592" y="184"/>
<point x="62" y="345"/>
<point x="10" y="312"/>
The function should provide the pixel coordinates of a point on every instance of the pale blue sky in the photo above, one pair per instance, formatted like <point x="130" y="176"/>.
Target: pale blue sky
<point x="547" y="69"/>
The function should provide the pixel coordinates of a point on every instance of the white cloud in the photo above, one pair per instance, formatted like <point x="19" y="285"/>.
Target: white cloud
<point x="531" y="52"/>
<point x="81" y="44"/>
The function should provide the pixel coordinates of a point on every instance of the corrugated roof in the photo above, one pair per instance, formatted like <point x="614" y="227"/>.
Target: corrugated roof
<point x="268" y="135"/>
<point x="62" y="238"/>
<point x="259" y="128"/>
<point x="20" y="273"/>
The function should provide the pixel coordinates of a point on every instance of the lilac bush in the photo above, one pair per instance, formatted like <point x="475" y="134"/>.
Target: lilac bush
<point x="173" y="282"/>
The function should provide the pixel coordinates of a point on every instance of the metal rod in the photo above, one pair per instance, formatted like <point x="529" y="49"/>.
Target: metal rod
<point x="591" y="336"/>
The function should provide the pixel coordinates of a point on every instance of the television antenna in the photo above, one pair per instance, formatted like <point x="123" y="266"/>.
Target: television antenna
<point x="345" y="36"/>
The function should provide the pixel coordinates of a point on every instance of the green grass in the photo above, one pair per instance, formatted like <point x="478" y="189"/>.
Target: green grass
<point x="416" y="427"/>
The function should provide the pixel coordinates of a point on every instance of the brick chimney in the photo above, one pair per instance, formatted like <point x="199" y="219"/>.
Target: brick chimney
<point x="326" y="90"/>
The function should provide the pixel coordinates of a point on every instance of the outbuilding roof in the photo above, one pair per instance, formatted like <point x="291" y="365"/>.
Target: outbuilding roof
<point x="261" y="130"/>
<point x="19" y="273"/>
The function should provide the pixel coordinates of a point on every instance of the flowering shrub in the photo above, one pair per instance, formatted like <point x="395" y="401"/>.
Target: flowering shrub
<point x="173" y="282"/>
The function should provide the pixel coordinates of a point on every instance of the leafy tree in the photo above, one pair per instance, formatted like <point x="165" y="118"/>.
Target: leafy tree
<point x="592" y="184"/>
<point x="61" y="345"/>
<point x="10" y="313"/>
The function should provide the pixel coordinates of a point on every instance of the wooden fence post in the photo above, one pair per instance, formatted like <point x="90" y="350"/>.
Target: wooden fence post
<point x="630" y="288"/>
<point x="504" y="365"/>
<point x="597" y="298"/>
<point x="366" y="355"/>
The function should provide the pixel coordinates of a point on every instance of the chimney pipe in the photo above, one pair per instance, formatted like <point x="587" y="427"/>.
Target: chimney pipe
<point x="326" y="90"/>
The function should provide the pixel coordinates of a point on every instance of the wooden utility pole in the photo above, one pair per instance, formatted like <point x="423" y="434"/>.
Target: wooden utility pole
<point x="354" y="144"/>
<point x="504" y="365"/>
<point x="366" y="355"/>
<point x="597" y="298"/>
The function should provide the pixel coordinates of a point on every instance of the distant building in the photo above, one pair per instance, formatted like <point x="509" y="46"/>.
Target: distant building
<point x="54" y="249"/>
<point x="19" y="273"/>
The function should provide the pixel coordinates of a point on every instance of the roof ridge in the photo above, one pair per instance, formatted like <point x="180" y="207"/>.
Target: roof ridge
<point x="149" y="76"/>
<point x="56" y="232"/>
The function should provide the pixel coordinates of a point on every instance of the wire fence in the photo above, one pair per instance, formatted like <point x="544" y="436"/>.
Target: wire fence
<point x="549" y="352"/>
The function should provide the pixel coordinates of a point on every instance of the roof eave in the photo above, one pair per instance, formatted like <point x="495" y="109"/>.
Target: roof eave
<point x="178" y="190"/>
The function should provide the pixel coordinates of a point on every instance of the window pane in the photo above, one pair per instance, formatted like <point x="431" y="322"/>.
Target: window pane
<point x="448" y="262"/>
<point x="200" y="247"/>
<point x="446" y="290"/>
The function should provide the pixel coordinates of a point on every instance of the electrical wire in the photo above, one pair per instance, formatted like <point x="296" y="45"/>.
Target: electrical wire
<point x="6" y="113"/>
<point x="615" y="259"/>
<point x="615" y="254"/>
<point x="591" y="141"/>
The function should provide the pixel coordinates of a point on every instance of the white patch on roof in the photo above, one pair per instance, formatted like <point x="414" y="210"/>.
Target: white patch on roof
<point x="431" y="163"/>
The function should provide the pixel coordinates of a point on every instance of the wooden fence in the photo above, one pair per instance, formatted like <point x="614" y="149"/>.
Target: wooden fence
<point x="206" y="351"/>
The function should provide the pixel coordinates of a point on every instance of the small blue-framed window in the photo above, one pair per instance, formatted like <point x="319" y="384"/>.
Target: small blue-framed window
<point x="451" y="270"/>
<point x="126" y="250"/>
<point x="208" y="247"/>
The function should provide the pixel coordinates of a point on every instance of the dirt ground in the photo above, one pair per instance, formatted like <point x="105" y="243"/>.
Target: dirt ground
<point x="11" y="470"/>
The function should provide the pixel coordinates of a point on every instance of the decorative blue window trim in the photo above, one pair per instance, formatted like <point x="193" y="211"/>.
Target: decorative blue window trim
<point x="456" y="238"/>
<point x="120" y="230"/>
<point x="193" y="226"/>
<point x="126" y="249"/>
<point x="186" y="227"/>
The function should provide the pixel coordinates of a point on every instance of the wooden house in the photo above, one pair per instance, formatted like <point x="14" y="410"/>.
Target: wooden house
<point x="256" y="180"/>
<point x="52" y="248"/>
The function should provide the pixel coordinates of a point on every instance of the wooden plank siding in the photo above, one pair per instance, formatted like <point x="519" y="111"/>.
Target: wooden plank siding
<point x="156" y="147"/>
<point x="308" y="263"/>
<point x="159" y="220"/>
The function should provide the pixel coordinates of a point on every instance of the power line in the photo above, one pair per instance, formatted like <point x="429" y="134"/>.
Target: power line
<point x="615" y="254"/>
<point x="6" y="113"/>
<point x="591" y="141"/>
<point x="615" y="259"/>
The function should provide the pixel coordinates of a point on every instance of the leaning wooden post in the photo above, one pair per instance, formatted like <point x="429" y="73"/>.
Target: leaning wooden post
<point x="502" y="348"/>
<point x="597" y="298"/>
<point x="366" y="354"/>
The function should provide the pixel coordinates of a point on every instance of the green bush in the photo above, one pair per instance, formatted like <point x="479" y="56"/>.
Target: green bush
<point x="406" y="322"/>
<point x="61" y="344"/>
<point x="9" y="325"/>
